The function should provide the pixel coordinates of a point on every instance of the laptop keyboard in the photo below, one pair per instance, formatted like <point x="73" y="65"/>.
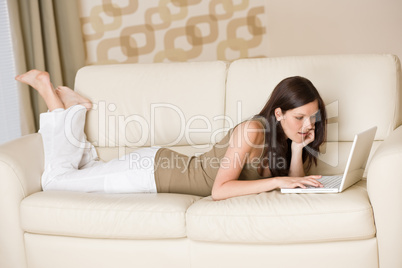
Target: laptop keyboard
<point x="330" y="181"/>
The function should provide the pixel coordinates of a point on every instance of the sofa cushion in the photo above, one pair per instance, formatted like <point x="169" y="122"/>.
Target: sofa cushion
<point x="277" y="218"/>
<point x="96" y="215"/>
<point x="161" y="104"/>
<point x="350" y="85"/>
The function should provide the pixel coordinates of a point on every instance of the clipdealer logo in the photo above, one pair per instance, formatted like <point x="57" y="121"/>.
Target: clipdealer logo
<point x="115" y="129"/>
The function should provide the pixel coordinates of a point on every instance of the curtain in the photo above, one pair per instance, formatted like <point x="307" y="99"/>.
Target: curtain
<point x="48" y="37"/>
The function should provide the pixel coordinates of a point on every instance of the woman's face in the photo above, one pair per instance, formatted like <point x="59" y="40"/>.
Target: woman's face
<point x="298" y="123"/>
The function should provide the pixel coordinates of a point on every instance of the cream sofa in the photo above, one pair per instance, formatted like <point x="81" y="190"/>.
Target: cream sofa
<point x="188" y="106"/>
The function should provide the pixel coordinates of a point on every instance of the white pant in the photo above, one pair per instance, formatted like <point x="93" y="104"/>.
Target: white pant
<point x="72" y="164"/>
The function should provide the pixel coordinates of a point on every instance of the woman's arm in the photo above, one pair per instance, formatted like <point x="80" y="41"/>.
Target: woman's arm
<point x="242" y="144"/>
<point x="296" y="168"/>
<point x="232" y="188"/>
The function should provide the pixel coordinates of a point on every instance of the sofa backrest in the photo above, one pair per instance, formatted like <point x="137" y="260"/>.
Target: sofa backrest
<point x="137" y="105"/>
<point x="360" y="91"/>
<point x="192" y="105"/>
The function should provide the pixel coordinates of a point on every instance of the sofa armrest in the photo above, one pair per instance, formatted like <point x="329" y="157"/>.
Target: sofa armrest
<point x="21" y="167"/>
<point x="384" y="185"/>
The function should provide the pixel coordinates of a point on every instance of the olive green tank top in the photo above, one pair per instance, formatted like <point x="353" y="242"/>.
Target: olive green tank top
<point x="195" y="175"/>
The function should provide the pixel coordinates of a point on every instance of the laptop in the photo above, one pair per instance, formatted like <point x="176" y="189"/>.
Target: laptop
<point x="358" y="157"/>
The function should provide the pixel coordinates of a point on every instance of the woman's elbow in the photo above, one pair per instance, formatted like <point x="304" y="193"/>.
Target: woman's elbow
<point x="217" y="194"/>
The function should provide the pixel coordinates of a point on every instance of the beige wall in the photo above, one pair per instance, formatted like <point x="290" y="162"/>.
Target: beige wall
<point x="285" y="28"/>
<point x="310" y="27"/>
<point x="139" y="31"/>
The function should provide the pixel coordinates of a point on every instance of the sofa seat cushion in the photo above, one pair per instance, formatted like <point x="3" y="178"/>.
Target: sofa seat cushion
<point x="98" y="215"/>
<point x="278" y="218"/>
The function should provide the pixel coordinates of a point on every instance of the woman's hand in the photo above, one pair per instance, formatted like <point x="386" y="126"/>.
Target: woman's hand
<point x="309" y="138"/>
<point x="294" y="182"/>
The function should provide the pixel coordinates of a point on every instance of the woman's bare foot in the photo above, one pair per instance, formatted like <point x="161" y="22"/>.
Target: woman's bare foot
<point x="37" y="79"/>
<point x="40" y="81"/>
<point x="69" y="97"/>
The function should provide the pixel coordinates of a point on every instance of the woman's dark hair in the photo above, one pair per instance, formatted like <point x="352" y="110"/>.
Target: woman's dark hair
<point x="290" y="93"/>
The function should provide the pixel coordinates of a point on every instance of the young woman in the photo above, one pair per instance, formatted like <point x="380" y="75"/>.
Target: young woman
<point x="267" y="152"/>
